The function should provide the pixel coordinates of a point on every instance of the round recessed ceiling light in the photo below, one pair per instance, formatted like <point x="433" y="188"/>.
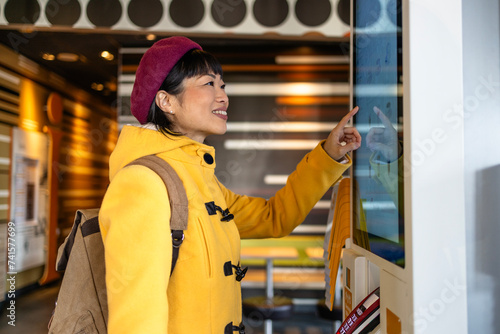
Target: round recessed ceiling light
<point x="48" y="56"/>
<point x="97" y="86"/>
<point x="107" y="55"/>
<point x="67" y="57"/>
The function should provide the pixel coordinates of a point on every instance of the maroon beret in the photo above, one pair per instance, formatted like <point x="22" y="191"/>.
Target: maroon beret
<point x="152" y="71"/>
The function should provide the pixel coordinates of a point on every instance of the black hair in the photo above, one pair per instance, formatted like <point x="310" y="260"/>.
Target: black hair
<point x="194" y="63"/>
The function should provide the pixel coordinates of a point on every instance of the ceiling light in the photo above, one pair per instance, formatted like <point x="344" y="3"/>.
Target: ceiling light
<point x="48" y="56"/>
<point x="97" y="86"/>
<point x="311" y="59"/>
<point x="111" y="86"/>
<point x="67" y="57"/>
<point x="107" y="55"/>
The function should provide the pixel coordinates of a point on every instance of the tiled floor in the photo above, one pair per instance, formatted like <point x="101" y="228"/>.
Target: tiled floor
<point x="34" y="308"/>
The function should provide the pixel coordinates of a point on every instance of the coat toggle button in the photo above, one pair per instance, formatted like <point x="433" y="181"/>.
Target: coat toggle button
<point x="208" y="158"/>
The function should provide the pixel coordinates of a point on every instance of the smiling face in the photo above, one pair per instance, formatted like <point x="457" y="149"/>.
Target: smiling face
<point x="200" y="109"/>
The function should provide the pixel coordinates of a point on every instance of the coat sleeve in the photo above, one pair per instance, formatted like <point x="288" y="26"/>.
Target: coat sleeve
<point x="134" y="220"/>
<point x="278" y="216"/>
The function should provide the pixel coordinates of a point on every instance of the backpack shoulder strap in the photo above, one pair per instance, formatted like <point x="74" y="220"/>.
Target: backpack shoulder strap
<point x="176" y="195"/>
<point x="87" y="218"/>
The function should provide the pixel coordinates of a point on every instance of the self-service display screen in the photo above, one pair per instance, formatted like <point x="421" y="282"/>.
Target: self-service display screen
<point x="377" y="173"/>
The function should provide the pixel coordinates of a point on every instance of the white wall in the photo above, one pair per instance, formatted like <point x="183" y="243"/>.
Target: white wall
<point x="436" y="153"/>
<point x="481" y="60"/>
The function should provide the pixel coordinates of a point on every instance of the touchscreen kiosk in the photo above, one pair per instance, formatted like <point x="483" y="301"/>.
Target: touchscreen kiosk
<point x="376" y="253"/>
<point x="377" y="74"/>
<point x="408" y="227"/>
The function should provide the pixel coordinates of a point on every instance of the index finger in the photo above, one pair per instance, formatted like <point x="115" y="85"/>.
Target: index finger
<point x="383" y="118"/>
<point x="343" y="122"/>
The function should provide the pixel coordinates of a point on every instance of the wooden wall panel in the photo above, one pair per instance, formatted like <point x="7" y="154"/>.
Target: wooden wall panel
<point x="79" y="148"/>
<point x="88" y="139"/>
<point x="4" y="171"/>
<point x="9" y="115"/>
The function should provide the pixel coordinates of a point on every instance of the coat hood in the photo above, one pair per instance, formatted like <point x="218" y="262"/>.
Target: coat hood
<point x="135" y="142"/>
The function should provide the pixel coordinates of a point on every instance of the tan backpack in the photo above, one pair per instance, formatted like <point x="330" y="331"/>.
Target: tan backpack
<point x="82" y="305"/>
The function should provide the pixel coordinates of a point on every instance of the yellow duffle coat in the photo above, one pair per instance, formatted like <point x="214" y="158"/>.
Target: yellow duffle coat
<point x="200" y="296"/>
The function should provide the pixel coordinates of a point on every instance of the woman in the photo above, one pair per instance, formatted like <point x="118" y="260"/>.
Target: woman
<point x="179" y="98"/>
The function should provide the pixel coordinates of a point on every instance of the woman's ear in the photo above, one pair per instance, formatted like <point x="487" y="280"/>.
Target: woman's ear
<point x="162" y="100"/>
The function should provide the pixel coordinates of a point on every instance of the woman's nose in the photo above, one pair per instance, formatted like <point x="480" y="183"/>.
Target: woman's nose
<point x="221" y="95"/>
